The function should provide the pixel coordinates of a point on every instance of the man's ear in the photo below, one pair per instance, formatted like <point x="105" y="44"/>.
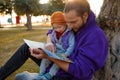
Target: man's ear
<point x="85" y="17"/>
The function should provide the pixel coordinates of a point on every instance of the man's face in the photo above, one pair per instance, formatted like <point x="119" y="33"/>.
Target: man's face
<point x="73" y="21"/>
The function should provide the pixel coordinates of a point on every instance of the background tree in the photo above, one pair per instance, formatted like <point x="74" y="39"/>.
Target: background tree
<point x="109" y="20"/>
<point x="5" y="6"/>
<point x="28" y="8"/>
<point x="52" y="6"/>
<point x="2" y="6"/>
<point x="56" y="5"/>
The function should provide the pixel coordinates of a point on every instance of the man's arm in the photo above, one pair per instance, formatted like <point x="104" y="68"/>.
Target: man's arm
<point x="39" y="54"/>
<point x="62" y="64"/>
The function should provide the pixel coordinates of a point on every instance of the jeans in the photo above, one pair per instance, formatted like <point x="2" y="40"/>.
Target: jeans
<point x="16" y="61"/>
<point x="45" y="63"/>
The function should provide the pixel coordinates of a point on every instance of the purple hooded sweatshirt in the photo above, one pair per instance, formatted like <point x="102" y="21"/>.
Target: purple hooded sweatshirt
<point x="90" y="52"/>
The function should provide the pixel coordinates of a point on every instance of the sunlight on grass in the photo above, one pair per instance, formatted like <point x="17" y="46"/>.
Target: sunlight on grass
<point x="10" y="40"/>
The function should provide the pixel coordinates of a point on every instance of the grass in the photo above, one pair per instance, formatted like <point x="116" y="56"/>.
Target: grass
<point x="10" y="40"/>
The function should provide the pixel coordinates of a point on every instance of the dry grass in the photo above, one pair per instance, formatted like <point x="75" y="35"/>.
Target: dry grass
<point x="10" y="40"/>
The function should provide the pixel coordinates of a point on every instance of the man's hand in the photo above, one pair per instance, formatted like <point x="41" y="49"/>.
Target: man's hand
<point x="38" y="53"/>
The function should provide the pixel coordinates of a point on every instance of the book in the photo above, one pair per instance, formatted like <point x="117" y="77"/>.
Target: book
<point x="41" y="45"/>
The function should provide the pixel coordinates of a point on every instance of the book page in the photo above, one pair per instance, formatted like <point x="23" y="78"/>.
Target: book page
<point x="34" y="44"/>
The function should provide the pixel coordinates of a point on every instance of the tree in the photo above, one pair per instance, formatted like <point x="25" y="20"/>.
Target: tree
<point x="5" y="7"/>
<point x="2" y="6"/>
<point x="109" y="20"/>
<point x="28" y="8"/>
<point x="52" y="6"/>
<point x="56" y="5"/>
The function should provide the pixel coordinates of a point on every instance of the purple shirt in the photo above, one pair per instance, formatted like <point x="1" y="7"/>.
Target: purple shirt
<point x="89" y="55"/>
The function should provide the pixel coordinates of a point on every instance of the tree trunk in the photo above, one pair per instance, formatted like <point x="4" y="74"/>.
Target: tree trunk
<point x="109" y="21"/>
<point x="28" y="24"/>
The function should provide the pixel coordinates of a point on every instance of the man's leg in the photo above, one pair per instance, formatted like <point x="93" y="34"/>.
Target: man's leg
<point x="16" y="61"/>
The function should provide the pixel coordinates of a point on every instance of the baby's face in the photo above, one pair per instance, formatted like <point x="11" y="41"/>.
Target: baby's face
<point x="59" y="28"/>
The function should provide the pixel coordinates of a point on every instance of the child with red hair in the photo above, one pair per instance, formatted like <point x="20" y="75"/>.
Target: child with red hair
<point x="63" y="40"/>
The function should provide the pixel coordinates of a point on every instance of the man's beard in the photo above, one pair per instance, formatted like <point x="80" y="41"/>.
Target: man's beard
<point x="77" y="29"/>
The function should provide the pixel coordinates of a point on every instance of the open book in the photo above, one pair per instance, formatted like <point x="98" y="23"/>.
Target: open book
<point x="34" y="44"/>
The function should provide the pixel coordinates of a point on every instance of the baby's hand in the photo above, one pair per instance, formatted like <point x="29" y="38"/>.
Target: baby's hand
<point x="50" y="47"/>
<point x="63" y="55"/>
<point x="65" y="58"/>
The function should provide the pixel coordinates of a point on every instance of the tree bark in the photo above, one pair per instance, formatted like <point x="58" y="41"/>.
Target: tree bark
<point x="109" y="21"/>
<point x="28" y="24"/>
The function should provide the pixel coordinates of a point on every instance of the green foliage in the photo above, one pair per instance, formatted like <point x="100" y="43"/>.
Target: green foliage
<point x="52" y="6"/>
<point x="2" y="6"/>
<point x="8" y="8"/>
<point x="33" y="7"/>
<point x="5" y="7"/>
<point x="22" y="7"/>
<point x="56" y="5"/>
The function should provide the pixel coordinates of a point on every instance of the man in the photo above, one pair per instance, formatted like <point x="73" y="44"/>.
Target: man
<point x="91" y="46"/>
